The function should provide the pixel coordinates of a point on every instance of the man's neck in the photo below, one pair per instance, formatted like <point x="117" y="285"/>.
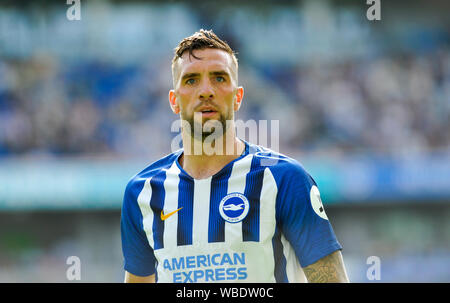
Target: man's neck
<point x="202" y="166"/>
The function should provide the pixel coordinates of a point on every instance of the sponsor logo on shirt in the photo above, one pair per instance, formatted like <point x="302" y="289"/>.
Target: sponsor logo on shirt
<point x="165" y="217"/>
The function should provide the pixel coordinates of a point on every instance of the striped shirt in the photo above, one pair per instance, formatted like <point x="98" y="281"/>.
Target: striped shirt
<point x="259" y="219"/>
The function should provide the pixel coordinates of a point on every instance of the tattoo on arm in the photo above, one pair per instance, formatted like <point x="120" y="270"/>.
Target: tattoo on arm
<point x="328" y="269"/>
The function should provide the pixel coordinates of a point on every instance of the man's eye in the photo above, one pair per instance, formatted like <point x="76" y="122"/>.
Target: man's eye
<point x="220" y="79"/>
<point x="190" y="81"/>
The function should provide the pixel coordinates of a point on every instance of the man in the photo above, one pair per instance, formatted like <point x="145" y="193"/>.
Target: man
<point x="244" y="215"/>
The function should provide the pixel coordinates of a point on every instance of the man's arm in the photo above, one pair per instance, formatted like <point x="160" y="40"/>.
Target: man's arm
<point x="329" y="269"/>
<point x="130" y="278"/>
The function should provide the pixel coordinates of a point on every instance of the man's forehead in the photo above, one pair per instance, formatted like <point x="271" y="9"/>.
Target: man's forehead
<point x="207" y="57"/>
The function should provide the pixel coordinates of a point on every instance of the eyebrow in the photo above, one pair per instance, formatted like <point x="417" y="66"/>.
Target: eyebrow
<point x="190" y="75"/>
<point x="214" y="73"/>
<point x="219" y="73"/>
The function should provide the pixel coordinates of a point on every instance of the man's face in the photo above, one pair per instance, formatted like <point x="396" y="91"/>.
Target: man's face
<point x="205" y="89"/>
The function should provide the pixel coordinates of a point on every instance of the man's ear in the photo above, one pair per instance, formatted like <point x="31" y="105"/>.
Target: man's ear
<point x="173" y="102"/>
<point x="238" y="98"/>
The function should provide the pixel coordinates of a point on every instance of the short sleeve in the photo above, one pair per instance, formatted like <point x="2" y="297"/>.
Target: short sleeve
<point x="301" y="216"/>
<point x="139" y="258"/>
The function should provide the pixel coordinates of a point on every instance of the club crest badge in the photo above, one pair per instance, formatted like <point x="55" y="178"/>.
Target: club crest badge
<point x="234" y="207"/>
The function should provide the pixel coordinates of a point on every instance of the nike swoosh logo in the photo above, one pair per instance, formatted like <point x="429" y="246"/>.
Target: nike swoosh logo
<point x="164" y="217"/>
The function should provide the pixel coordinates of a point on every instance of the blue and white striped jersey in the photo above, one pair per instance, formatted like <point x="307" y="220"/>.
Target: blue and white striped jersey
<point x="259" y="219"/>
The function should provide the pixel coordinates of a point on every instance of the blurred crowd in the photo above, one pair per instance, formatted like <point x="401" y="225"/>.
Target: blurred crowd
<point x="338" y="85"/>
<point x="394" y="104"/>
<point x="389" y="101"/>
<point x="391" y="104"/>
<point x="85" y="109"/>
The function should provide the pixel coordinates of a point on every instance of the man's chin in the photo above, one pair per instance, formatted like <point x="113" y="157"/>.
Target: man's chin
<point x="209" y="134"/>
<point x="209" y="127"/>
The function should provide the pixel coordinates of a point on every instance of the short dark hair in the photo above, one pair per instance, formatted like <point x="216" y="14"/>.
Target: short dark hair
<point x="201" y="40"/>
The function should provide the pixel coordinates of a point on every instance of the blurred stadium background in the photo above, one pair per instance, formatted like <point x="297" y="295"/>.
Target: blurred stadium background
<point x="365" y="106"/>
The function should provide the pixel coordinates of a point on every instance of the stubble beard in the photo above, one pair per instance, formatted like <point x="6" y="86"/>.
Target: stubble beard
<point x="200" y="128"/>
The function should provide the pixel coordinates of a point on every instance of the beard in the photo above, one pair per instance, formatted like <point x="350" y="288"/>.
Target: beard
<point x="201" y="128"/>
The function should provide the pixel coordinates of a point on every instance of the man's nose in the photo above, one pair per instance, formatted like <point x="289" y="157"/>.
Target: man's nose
<point x="206" y="91"/>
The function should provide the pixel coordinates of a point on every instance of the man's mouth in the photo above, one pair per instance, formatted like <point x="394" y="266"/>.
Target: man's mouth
<point x="208" y="113"/>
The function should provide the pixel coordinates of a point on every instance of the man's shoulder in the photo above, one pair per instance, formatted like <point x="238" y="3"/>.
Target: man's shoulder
<point x="152" y="170"/>
<point x="293" y="182"/>
<point x="280" y="165"/>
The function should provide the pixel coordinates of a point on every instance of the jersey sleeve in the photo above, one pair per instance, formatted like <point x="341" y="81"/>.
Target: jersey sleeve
<point x="301" y="217"/>
<point x="139" y="258"/>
